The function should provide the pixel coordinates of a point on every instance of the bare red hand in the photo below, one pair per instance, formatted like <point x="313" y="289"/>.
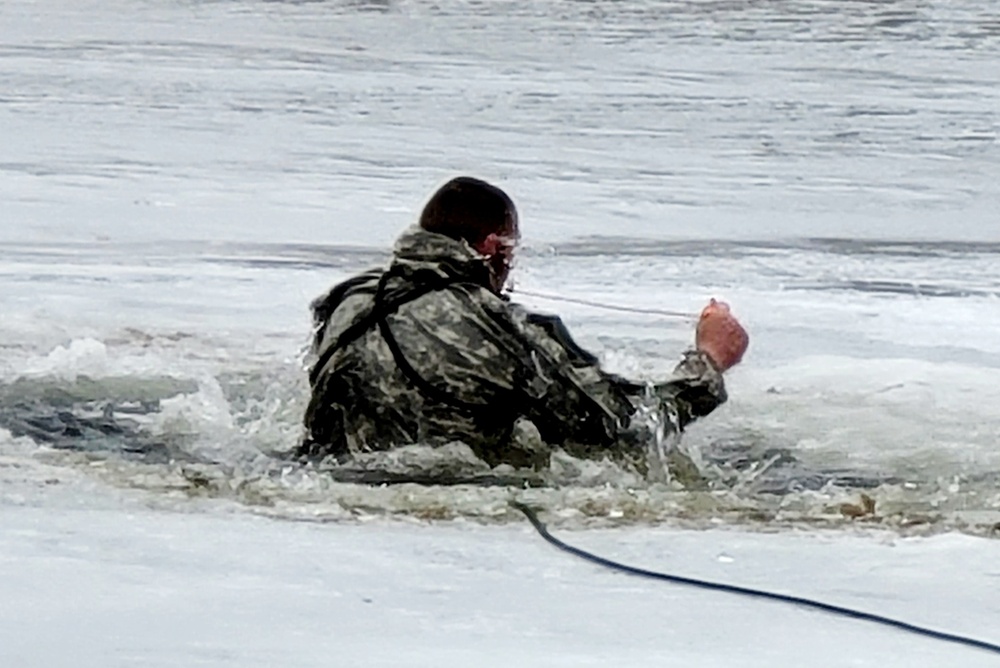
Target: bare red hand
<point x="720" y="335"/>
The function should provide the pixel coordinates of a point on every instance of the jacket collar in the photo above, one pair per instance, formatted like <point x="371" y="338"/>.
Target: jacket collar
<point x="418" y="249"/>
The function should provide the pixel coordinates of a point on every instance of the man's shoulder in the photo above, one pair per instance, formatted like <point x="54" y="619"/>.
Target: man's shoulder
<point x="459" y="301"/>
<point x="324" y="305"/>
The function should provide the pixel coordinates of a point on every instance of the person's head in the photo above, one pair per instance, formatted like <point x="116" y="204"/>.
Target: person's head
<point x="480" y="214"/>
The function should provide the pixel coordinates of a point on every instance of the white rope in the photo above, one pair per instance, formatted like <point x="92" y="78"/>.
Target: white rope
<point x="609" y="307"/>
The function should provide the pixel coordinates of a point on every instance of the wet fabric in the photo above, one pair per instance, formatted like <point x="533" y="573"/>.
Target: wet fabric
<point x="423" y="352"/>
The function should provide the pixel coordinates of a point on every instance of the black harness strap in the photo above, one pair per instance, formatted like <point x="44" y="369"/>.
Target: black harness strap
<point x="427" y="388"/>
<point x="430" y="281"/>
<point x="379" y="312"/>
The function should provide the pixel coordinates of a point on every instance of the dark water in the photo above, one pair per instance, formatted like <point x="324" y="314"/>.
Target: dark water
<point x="853" y="385"/>
<point x="180" y="179"/>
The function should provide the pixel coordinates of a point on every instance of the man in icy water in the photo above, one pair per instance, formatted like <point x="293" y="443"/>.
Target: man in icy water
<point x="429" y="351"/>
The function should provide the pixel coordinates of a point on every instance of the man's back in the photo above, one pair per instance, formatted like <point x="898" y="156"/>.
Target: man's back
<point x="424" y="353"/>
<point x="442" y="365"/>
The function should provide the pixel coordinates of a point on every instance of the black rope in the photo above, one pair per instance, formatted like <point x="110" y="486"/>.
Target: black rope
<point x="744" y="591"/>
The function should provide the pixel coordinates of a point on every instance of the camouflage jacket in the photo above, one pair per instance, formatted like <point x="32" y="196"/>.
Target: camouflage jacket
<point x="423" y="352"/>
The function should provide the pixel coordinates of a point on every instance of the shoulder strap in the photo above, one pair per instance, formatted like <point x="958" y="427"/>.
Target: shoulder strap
<point x="378" y="312"/>
<point x="427" y="388"/>
<point x="427" y="281"/>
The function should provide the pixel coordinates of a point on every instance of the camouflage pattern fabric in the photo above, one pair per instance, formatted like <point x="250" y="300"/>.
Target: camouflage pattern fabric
<point x="423" y="352"/>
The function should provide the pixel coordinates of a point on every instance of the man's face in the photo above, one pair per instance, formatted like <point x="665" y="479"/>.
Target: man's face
<point x="502" y="258"/>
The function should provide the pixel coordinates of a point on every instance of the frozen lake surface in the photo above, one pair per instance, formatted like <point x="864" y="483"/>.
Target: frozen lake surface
<point x="179" y="179"/>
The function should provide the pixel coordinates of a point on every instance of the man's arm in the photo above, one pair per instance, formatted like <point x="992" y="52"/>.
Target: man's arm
<point x="695" y="389"/>
<point x="484" y="351"/>
<point x="528" y="365"/>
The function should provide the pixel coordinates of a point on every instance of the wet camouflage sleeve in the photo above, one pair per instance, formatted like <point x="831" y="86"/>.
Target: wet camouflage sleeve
<point x="478" y="351"/>
<point x="559" y="386"/>
<point x="694" y="390"/>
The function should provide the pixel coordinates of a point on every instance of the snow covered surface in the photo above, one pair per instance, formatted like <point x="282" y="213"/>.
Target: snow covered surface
<point x="126" y="586"/>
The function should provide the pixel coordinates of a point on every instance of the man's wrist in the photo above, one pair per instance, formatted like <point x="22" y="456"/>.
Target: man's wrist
<point x="710" y="360"/>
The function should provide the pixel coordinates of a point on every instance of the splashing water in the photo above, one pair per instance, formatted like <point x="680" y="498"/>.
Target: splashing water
<point x="662" y="426"/>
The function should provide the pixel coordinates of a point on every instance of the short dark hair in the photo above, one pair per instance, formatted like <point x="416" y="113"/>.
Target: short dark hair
<point x="469" y="209"/>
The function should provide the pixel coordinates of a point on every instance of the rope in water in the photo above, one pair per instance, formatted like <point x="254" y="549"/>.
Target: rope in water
<point x="609" y="307"/>
<point x="744" y="591"/>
